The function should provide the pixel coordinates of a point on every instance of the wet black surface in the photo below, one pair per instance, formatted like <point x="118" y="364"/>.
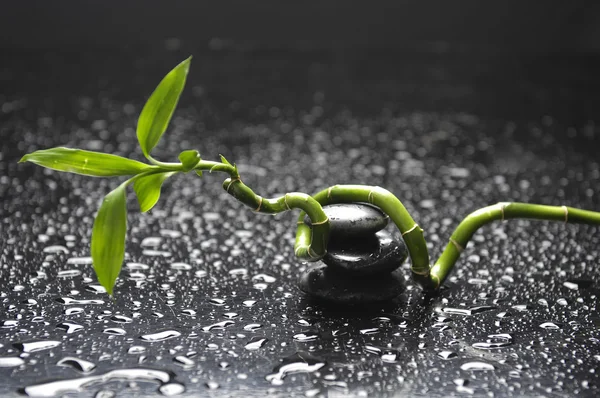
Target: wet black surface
<point x="208" y="298"/>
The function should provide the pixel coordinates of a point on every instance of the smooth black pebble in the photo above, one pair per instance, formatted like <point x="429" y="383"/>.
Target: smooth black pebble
<point x="323" y="283"/>
<point x="378" y="254"/>
<point x="352" y="220"/>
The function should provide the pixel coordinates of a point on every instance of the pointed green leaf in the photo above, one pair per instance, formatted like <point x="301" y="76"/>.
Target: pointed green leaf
<point x="225" y="161"/>
<point x="189" y="159"/>
<point x="84" y="162"/>
<point x="108" y="237"/>
<point x="199" y="172"/>
<point x="147" y="189"/>
<point x="157" y="112"/>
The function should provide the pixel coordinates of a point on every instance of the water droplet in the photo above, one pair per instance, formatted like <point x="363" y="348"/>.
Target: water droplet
<point x="10" y="324"/>
<point x="35" y="346"/>
<point x="184" y="361"/>
<point x="249" y="303"/>
<point x="72" y="301"/>
<point x="152" y="241"/>
<point x="562" y="301"/>
<point x="211" y="385"/>
<point x="369" y="331"/>
<point x="79" y="365"/>
<point x="477" y="366"/>
<point x="200" y="273"/>
<point x="306" y="337"/>
<point x="60" y="387"/>
<point x="251" y="327"/>
<point x="231" y="315"/>
<point x="171" y="389"/>
<point x="80" y="261"/>
<point x="95" y="289"/>
<point x="136" y="349"/>
<point x="69" y="327"/>
<point x="299" y="362"/>
<point x="521" y="307"/>
<point x="137" y="266"/>
<point x="264" y="278"/>
<point x="468" y="311"/>
<point x="255" y="343"/>
<point x="69" y="273"/>
<point x="115" y="331"/>
<point x="56" y="249"/>
<point x="495" y="341"/>
<point x="447" y="354"/>
<point x="181" y="266"/>
<point x="121" y="319"/>
<point x="160" y="336"/>
<point x="188" y="312"/>
<point x="218" y="325"/>
<point x="238" y="271"/>
<point x="11" y="362"/>
<point x="217" y="301"/>
<point x="549" y="326"/>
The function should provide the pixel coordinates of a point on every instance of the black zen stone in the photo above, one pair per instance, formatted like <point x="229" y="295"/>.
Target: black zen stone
<point x="353" y="220"/>
<point x="377" y="254"/>
<point x="323" y="283"/>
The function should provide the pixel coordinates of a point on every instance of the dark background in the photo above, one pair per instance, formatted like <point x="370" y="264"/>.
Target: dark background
<point x="450" y="105"/>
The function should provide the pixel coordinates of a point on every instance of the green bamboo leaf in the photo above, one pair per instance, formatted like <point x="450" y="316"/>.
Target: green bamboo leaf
<point x="199" y="172"/>
<point x="157" y="112"/>
<point x="148" y="188"/>
<point x="85" y="162"/>
<point x="108" y="237"/>
<point x="189" y="159"/>
<point x="225" y="161"/>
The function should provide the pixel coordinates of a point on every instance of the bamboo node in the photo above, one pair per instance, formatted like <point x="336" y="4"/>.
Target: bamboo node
<point x="320" y="222"/>
<point x="231" y="182"/>
<point x="329" y="192"/>
<point x="410" y="230"/>
<point x="422" y="273"/>
<point x="457" y="245"/>
<point x="260" y="200"/>
<point x="285" y="201"/>
<point x="566" y="210"/>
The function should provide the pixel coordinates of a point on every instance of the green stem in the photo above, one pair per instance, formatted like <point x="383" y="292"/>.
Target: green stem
<point x="502" y="211"/>
<point x="389" y="204"/>
<point x="311" y="243"/>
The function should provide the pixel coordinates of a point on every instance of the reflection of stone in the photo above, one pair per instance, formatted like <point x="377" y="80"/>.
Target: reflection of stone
<point x="361" y="261"/>
<point x="324" y="283"/>
<point x="366" y="256"/>
<point x="353" y="220"/>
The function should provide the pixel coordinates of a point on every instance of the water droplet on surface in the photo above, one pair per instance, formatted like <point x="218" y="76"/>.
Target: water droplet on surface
<point x="217" y="301"/>
<point x="549" y="326"/>
<point x="495" y="341"/>
<point x="121" y="319"/>
<point x="97" y="289"/>
<point x="218" y="325"/>
<point x="80" y="261"/>
<point x="255" y="343"/>
<point x="115" y="331"/>
<point x="56" y="249"/>
<point x="251" y="327"/>
<point x="35" y="346"/>
<point x="69" y="273"/>
<point x="370" y="331"/>
<point x="477" y="366"/>
<point x="200" y="273"/>
<point x="184" y="361"/>
<point x="11" y="362"/>
<point x="54" y="388"/>
<point x="211" y="385"/>
<point x="136" y="349"/>
<point x="305" y="337"/>
<point x="171" y="389"/>
<point x="160" y="336"/>
<point x="69" y="327"/>
<point x="79" y="365"/>
<point x="181" y="266"/>
<point x="72" y="301"/>
<point x="264" y="278"/>
<point x="300" y="362"/>
<point x="447" y="354"/>
<point x="249" y="303"/>
<point x="468" y="311"/>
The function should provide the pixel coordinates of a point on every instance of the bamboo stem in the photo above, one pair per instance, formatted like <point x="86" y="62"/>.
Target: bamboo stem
<point x="391" y="205"/>
<point x="502" y="211"/>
